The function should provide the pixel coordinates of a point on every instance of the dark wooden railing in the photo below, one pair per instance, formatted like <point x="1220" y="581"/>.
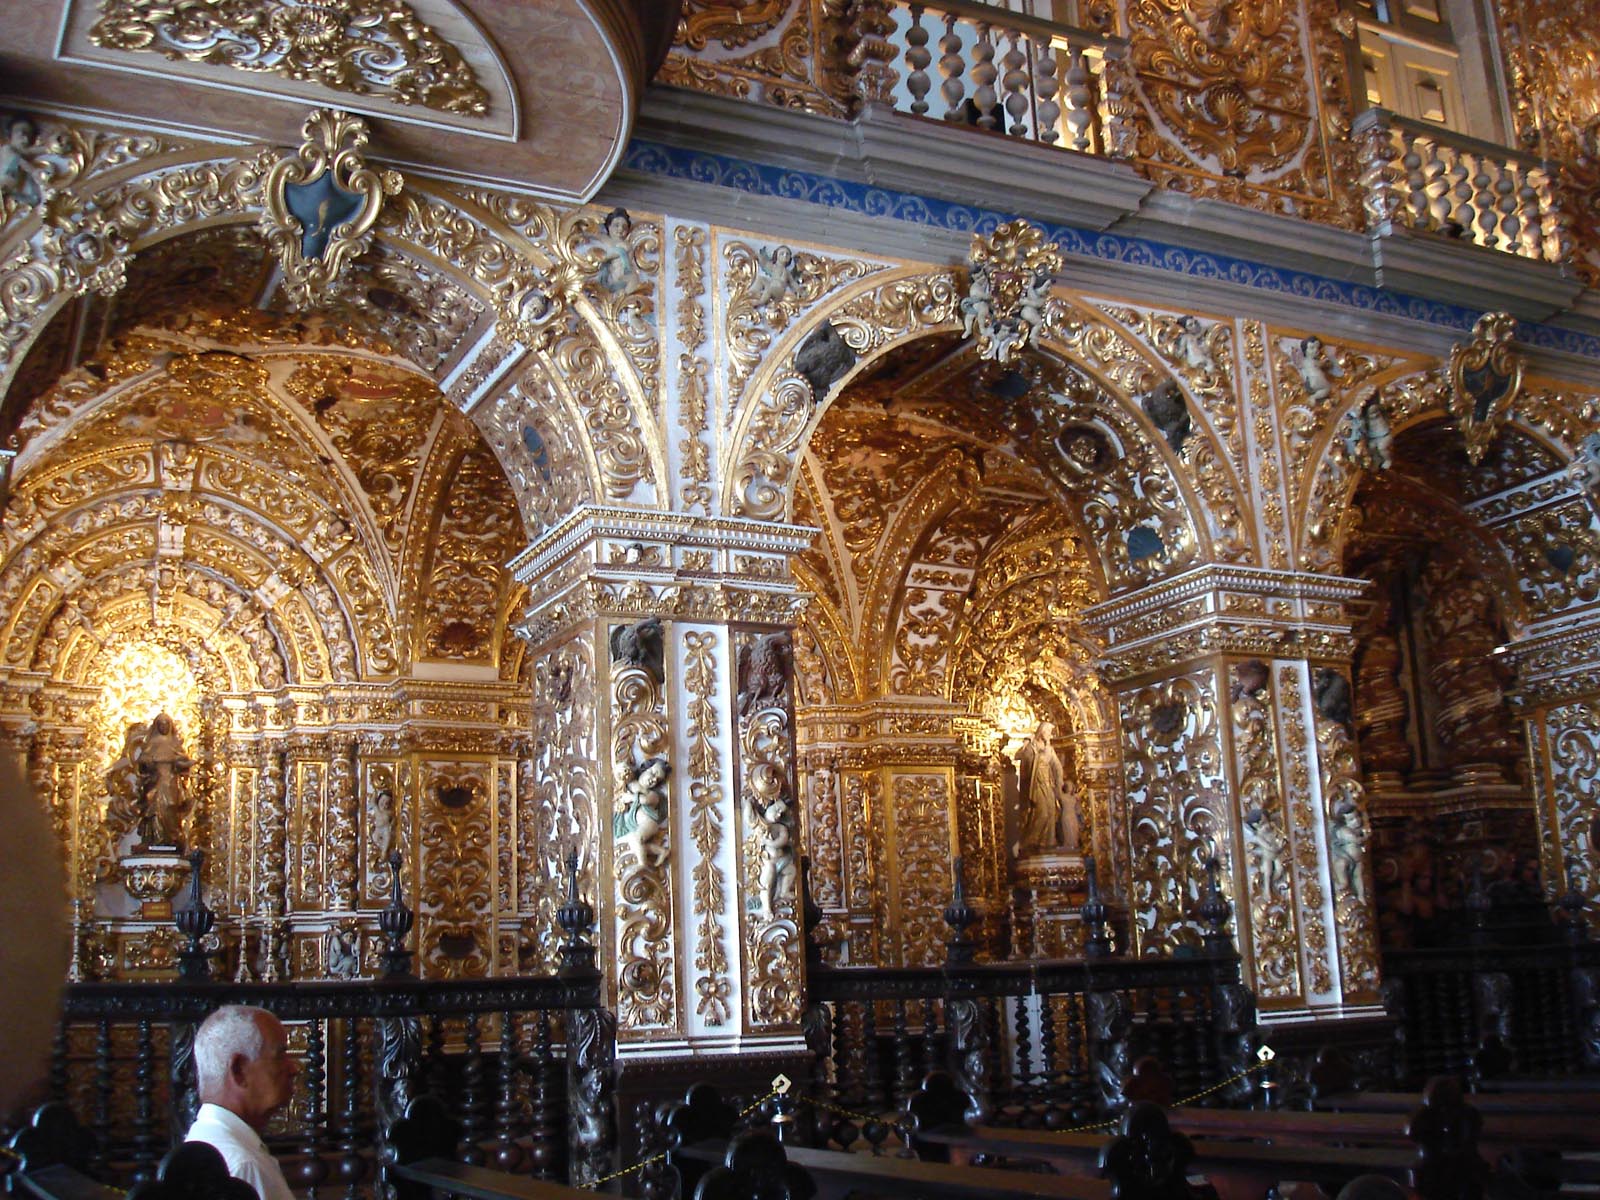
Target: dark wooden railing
<point x="524" y="1063"/>
<point x="1046" y="1044"/>
<point x="1517" y="998"/>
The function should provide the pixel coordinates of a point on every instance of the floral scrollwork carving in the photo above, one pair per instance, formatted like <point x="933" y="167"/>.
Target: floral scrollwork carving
<point x="1348" y="834"/>
<point x="322" y="203"/>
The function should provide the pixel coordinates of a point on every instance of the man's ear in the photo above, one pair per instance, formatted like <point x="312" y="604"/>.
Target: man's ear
<point x="237" y="1065"/>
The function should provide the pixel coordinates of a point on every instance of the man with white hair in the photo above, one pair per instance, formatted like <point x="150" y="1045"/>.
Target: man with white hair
<point x="242" y="1063"/>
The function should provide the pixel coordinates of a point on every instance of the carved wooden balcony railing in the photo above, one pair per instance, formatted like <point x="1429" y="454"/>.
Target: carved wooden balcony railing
<point x="1034" y="1043"/>
<point x="1429" y="178"/>
<point x="522" y="1061"/>
<point x="1521" y="1000"/>
<point x="970" y="64"/>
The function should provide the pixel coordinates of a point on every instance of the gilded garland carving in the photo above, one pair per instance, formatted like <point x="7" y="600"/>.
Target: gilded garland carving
<point x="1273" y="931"/>
<point x="694" y="370"/>
<point x="322" y="204"/>
<point x="641" y="846"/>
<point x="712" y="986"/>
<point x="1348" y="832"/>
<point x="767" y="51"/>
<point x="1174" y="785"/>
<point x="1306" y="822"/>
<point x="376" y="48"/>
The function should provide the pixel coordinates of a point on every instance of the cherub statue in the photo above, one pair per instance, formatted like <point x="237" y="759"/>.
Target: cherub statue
<point x="1030" y="309"/>
<point x="17" y="179"/>
<point x="1367" y="439"/>
<point x="381" y="818"/>
<point x="163" y="772"/>
<point x="1347" y="838"/>
<point x="777" y="276"/>
<point x="1317" y="369"/>
<point x="1269" y="845"/>
<point x="616" y="272"/>
<point x="977" y="306"/>
<point x="641" y="808"/>
<point x="777" y="859"/>
<point x="344" y="961"/>
<point x="1192" y="347"/>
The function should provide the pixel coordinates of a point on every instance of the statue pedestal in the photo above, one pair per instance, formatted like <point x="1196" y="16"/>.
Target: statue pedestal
<point x="1049" y="888"/>
<point x="153" y="875"/>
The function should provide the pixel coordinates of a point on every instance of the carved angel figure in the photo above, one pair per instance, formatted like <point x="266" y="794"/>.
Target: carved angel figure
<point x="1268" y="846"/>
<point x="777" y="276"/>
<point x="1030" y="310"/>
<point x="977" y="306"/>
<point x="17" y="179"/>
<point x="343" y="960"/>
<point x="1317" y="369"/>
<point x="382" y="824"/>
<point x="163" y="775"/>
<point x="776" y="881"/>
<point x="1347" y="839"/>
<point x="641" y="807"/>
<point x="1367" y="438"/>
<point x="1192" y="348"/>
<point x="616" y="272"/>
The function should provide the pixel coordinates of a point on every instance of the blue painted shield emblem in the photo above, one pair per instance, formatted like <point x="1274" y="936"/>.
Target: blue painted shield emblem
<point x="321" y="206"/>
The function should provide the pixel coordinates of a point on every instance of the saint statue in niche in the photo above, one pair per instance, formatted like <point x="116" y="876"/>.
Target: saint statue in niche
<point x="1049" y="813"/>
<point x="163" y="779"/>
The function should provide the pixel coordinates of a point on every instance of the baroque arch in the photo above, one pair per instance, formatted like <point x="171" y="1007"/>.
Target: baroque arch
<point x="1183" y="473"/>
<point x="528" y="307"/>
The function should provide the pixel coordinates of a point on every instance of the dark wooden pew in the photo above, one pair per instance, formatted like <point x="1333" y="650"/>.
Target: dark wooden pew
<point x="1236" y="1170"/>
<point x="698" y="1132"/>
<point x="419" y="1162"/>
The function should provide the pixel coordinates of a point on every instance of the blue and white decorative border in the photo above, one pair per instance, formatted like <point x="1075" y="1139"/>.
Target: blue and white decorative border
<point x="757" y="179"/>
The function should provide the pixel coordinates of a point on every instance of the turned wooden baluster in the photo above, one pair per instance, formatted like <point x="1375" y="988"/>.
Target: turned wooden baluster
<point x="351" y="1166"/>
<point x="918" y="57"/>
<point x="507" y="1154"/>
<point x="984" y="74"/>
<point x="930" y="1037"/>
<point x="905" y="1071"/>
<point x="1015" y="82"/>
<point x="544" y="1138"/>
<point x="145" y="1140"/>
<point x="1051" y="1089"/>
<point x="102" y="1095"/>
<point x="58" y="1063"/>
<point x="1045" y="87"/>
<point x="312" y="1169"/>
<point x="952" y="66"/>
<point x="471" y="1150"/>
<point x="1022" y="1079"/>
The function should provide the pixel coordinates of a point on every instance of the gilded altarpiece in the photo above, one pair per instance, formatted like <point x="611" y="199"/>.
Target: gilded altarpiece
<point x="1565" y="744"/>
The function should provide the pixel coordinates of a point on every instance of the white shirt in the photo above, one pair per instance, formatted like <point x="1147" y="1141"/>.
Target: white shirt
<point x="246" y="1155"/>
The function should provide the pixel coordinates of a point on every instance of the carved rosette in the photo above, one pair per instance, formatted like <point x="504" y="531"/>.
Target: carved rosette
<point x="645" y="941"/>
<point x="765" y="784"/>
<point x="321" y="205"/>
<point x="1274" y="936"/>
<point x="1485" y="381"/>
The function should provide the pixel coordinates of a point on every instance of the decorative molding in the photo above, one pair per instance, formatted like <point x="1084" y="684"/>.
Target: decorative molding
<point x="369" y="48"/>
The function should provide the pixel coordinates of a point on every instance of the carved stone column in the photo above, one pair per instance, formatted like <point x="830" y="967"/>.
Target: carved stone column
<point x="664" y="756"/>
<point x="271" y="883"/>
<point x="1233" y="690"/>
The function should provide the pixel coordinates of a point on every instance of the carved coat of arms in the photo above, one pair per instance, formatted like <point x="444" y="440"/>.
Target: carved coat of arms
<point x="1485" y="380"/>
<point x="1009" y="275"/>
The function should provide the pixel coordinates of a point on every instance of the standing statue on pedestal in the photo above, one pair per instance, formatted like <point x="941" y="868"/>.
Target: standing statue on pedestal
<point x="163" y="771"/>
<point x="1049" y="815"/>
